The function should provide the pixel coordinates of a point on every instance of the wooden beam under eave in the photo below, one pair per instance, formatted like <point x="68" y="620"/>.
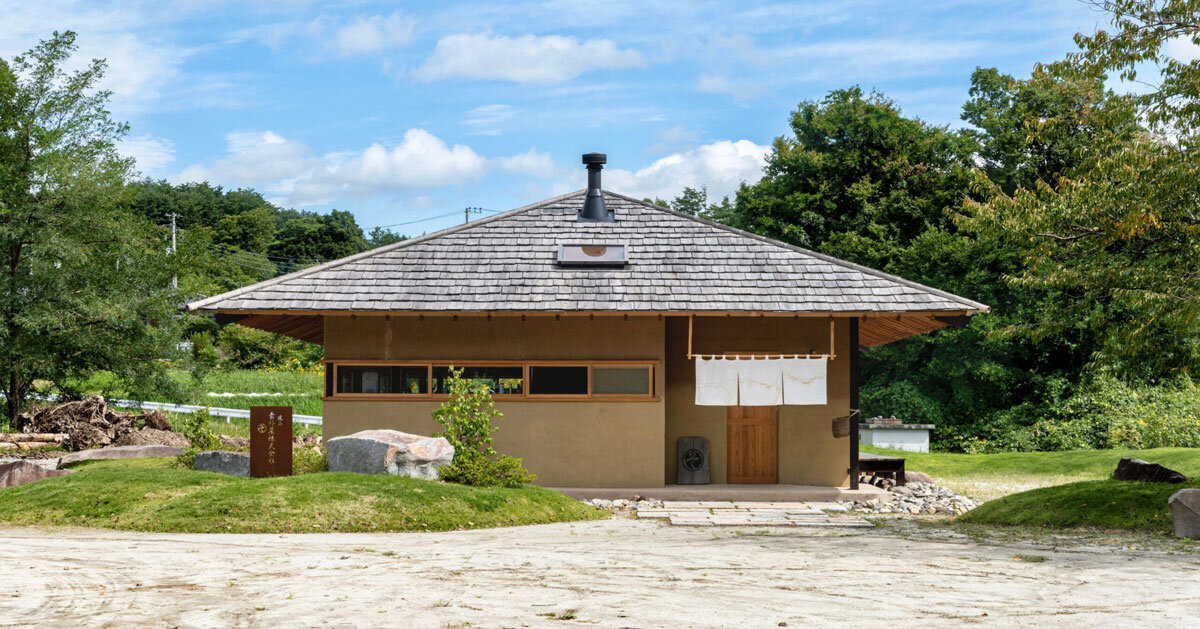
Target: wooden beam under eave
<point x="878" y="331"/>
<point x="310" y="328"/>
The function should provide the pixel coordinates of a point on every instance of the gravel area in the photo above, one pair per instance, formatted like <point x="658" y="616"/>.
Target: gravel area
<point x="916" y="499"/>
<point x="617" y="572"/>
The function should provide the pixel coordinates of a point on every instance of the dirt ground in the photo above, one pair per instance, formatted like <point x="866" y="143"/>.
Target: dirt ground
<point x="615" y="573"/>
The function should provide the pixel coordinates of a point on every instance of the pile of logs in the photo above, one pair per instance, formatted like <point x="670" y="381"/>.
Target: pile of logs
<point x="88" y="423"/>
<point x="31" y="441"/>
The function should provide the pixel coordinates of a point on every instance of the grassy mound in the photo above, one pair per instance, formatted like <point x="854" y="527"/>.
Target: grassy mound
<point x="1109" y="504"/>
<point x="1058" y="489"/>
<point x="148" y="495"/>
<point x="1080" y="463"/>
<point x="991" y="476"/>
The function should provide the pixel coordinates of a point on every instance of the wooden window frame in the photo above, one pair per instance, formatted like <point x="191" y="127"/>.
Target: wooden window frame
<point x="371" y="396"/>
<point x="650" y="365"/>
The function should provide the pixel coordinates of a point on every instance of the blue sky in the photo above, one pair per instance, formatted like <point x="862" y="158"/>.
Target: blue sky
<point x="400" y="111"/>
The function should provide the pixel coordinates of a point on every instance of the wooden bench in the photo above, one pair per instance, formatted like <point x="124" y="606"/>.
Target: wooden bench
<point x="886" y="466"/>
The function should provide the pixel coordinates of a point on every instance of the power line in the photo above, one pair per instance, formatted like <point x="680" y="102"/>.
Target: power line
<point x="467" y="211"/>
<point x="419" y="220"/>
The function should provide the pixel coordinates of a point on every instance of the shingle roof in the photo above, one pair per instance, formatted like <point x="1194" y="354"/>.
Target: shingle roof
<point x="507" y="262"/>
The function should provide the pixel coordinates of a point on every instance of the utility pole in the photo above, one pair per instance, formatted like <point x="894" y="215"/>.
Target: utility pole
<point x="470" y="210"/>
<point x="174" y="278"/>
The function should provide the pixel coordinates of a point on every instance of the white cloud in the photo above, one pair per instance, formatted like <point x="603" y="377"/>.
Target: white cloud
<point x="139" y="71"/>
<point x="358" y="35"/>
<point x="488" y="115"/>
<point x="673" y="140"/>
<point x="740" y="90"/>
<point x="1184" y="49"/>
<point x="141" y="65"/>
<point x="364" y="35"/>
<point x="743" y="68"/>
<point x="151" y="154"/>
<point x="138" y="40"/>
<point x="720" y="166"/>
<point x="290" y="170"/>
<point x="525" y="59"/>
<point x="530" y="162"/>
<point x="484" y="119"/>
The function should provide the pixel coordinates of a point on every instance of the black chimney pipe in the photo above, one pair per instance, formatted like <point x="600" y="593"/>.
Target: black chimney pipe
<point x="593" y="205"/>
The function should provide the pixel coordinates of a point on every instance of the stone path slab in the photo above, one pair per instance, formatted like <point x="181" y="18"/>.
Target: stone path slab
<point x="783" y="514"/>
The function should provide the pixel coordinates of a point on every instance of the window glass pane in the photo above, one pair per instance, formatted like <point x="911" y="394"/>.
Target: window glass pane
<point x="620" y="380"/>
<point x="499" y="380"/>
<point x="558" y="381"/>
<point x="328" y="379"/>
<point x="382" y="379"/>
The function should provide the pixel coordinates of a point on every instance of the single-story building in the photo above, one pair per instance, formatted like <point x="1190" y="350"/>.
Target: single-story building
<point x="592" y="316"/>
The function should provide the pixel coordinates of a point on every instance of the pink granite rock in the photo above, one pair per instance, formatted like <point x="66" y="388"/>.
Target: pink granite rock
<point x="21" y="472"/>
<point x="389" y="452"/>
<point x="119" y="452"/>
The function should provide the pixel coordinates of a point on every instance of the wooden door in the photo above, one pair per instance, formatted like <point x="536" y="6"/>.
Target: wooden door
<point x="753" y="442"/>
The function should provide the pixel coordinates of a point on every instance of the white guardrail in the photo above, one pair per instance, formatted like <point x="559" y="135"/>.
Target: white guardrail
<point x="227" y="413"/>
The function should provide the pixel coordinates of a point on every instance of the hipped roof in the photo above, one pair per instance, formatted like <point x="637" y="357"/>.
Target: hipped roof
<point x="508" y="264"/>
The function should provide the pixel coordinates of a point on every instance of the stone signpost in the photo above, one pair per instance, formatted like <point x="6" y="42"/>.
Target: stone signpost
<point x="270" y="441"/>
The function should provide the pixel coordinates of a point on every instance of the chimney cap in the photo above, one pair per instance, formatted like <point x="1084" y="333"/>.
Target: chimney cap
<point x="595" y="158"/>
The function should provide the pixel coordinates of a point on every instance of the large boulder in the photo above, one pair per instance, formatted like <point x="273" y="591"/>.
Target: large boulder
<point x="48" y="463"/>
<point x="911" y="476"/>
<point x="389" y="452"/>
<point x="119" y="452"/>
<point x="221" y="462"/>
<point x="1185" y="511"/>
<point x="21" y="472"/>
<point x="1139" y="470"/>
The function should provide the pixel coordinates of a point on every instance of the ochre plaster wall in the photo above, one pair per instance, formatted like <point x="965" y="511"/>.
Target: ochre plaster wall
<point x="808" y="452"/>
<point x="567" y="444"/>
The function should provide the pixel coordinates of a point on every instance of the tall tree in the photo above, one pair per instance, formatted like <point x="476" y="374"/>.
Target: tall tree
<point x="857" y="179"/>
<point x="1041" y="128"/>
<point x="1116" y="242"/>
<point x="311" y="236"/>
<point x="86" y="282"/>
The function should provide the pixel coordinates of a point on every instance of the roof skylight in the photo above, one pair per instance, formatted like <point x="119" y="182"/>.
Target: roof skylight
<point x="592" y="255"/>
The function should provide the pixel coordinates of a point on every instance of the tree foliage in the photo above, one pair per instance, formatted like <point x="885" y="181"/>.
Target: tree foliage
<point x="856" y="179"/>
<point x="1114" y="242"/>
<point x="1142" y="34"/>
<point x="859" y="180"/>
<point x="86" y="282"/>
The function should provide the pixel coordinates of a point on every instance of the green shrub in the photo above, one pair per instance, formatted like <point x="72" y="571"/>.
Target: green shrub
<point x="1111" y="414"/>
<point x="467" y="419"/>
<point x="196" y="428"/>
<point x="485" y="471"/>
<point x="309" y="461"/>
<point x="205" y="356"/>
<point x="247" y="348"/>
<point x="1139" y="417"/>
<point x="187" y="460"/>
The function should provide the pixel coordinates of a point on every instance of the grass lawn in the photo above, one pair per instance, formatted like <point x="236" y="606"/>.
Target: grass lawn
<point x="149" y="495"/>
<point x="1109" y="504"/>
<point x="301" y="391"/>
<point x="1059" y="489"/>
<point x="989" y="476"/>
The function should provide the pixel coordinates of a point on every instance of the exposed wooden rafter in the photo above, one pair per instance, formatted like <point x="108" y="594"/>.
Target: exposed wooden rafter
<point x="309" y="328"/>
